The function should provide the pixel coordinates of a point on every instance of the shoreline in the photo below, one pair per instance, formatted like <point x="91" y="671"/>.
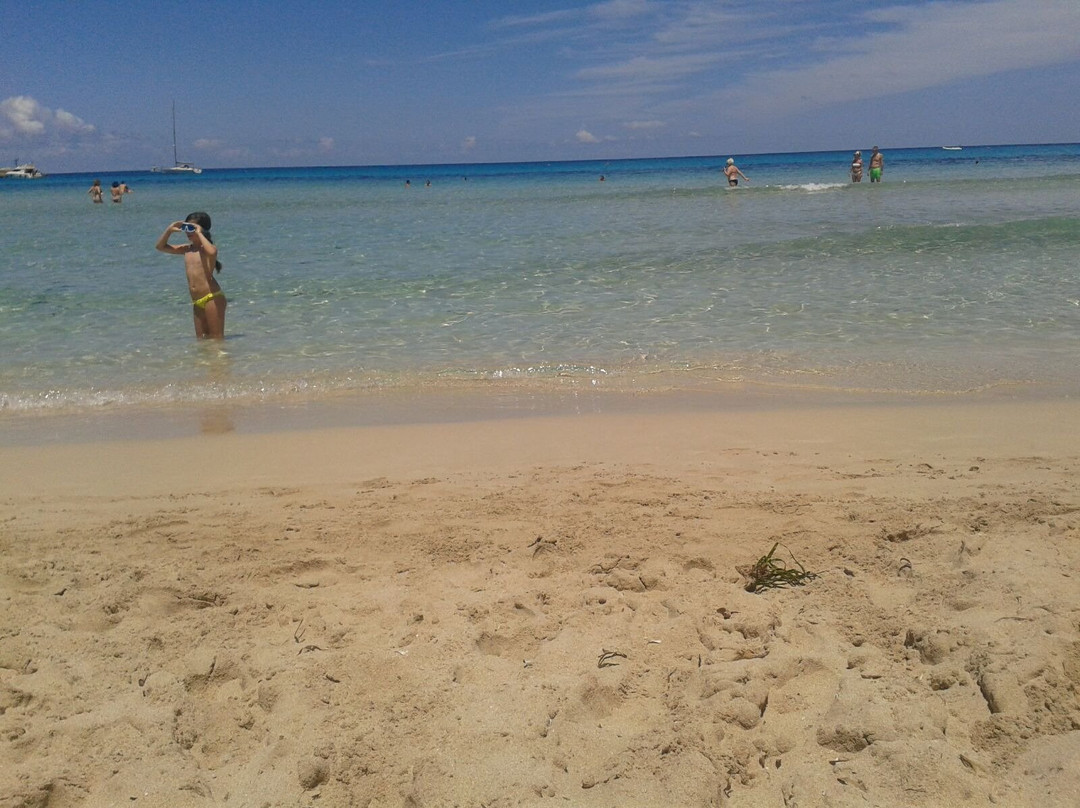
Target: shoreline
<point x="476" y="401"/>
<point x="644" y="430"/>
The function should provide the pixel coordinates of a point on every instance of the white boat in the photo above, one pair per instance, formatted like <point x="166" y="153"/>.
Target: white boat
<point x="177" y="167"/>
<point x="952" y="148"/>
<point x="26" y="171"/>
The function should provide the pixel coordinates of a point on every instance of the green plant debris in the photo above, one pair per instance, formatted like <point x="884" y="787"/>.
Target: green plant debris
<point x="770" y="572"/>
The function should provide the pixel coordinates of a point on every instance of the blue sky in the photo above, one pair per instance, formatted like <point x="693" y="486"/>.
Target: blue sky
<point x="88" y="86"/>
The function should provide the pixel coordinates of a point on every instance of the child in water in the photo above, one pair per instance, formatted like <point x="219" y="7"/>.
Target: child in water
<point x="200" y="263"/>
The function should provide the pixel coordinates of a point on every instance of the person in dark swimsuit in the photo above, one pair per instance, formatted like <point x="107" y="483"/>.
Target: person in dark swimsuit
<point x="731" y="171"/>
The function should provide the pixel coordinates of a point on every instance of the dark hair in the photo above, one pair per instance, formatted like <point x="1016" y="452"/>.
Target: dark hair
<point x="203" y="221"/>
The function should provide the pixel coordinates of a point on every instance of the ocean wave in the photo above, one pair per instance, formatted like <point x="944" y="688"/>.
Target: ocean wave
<point x="812" y="187"/>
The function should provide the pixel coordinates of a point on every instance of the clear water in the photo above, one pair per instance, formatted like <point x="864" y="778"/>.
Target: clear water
<point x="958" y="272"/>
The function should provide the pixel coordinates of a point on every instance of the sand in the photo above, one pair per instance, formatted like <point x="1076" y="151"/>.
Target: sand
<point x="549" y="611"/>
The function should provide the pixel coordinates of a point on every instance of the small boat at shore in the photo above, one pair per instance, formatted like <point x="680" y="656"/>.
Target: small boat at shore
<point x="25" y="171"/>
<point x="177" y="167"/>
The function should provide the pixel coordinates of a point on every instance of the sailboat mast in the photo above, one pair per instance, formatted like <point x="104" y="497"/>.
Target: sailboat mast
<point x="174" y="159"/>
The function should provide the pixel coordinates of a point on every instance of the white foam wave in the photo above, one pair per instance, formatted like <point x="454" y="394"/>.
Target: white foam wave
<point x="814" y="187"/>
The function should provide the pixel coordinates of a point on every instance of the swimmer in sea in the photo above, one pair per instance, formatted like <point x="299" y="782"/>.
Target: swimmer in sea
<point x="877" y="165"/>
<point x="856" y="167"/>
<point x="200" y="263"/>
<point x="731" y="171"/>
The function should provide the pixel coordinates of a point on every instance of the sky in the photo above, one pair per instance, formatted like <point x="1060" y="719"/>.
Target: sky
<point x="89" y="85"/>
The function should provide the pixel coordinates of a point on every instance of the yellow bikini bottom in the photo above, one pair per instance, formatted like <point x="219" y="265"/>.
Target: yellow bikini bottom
<point x="202" y="301"/>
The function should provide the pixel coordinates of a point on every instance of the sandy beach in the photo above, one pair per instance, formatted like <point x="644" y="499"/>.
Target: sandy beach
<point x="550" y="611"/>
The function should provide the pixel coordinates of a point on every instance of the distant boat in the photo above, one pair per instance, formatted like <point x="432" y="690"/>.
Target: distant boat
<point x="177" y="167"/>
<point x="952" y="148"/>
<point x="26" y="171"/>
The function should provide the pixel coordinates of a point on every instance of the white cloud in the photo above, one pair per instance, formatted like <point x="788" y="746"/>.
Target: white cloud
<point x="585" y="136"/>
<point x="640" y="125"/>
<point x="208" y="143"/>
<point x="72" y="123"/>
<point x="24" y="114"/>
<point x="469" y="143"/>
<point x="326" y="144"/>
<point x="26" y="118"/>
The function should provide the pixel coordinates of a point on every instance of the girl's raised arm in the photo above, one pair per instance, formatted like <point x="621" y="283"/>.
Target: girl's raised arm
<point x="163" y="244"/>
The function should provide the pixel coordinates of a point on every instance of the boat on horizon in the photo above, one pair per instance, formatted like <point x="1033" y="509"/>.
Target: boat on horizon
<point x="178" y="167"/>
<point x="23" y="171"/>
<point x="952" y="148"/>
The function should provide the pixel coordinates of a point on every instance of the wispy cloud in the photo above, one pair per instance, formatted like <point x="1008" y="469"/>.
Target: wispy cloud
<point x="650" y="68"/>
<point x="300" y="148"/>
<point x="915" y="48"/>
<point x="691" y="58"/>
<point x="620" y="10"/>
<point x="612" y="11"/>
<point x="536" y="20"/>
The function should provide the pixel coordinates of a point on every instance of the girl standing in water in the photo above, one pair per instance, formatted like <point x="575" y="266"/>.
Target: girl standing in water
<point x="200" y="263"/>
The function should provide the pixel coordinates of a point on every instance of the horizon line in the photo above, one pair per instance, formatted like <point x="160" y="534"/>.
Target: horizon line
<point x="718" y="156"/>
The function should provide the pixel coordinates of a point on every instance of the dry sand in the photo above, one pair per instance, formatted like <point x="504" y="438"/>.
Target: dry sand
<point x="549" y="612"/>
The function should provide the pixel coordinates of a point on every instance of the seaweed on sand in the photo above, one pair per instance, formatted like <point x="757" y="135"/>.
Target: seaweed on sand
<point x="769" y="572"/>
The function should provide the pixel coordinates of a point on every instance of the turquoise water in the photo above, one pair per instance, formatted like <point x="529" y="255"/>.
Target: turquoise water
<point x="958" y="273"/>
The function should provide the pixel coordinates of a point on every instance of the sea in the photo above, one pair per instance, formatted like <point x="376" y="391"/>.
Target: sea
<point x="505" y="284"/>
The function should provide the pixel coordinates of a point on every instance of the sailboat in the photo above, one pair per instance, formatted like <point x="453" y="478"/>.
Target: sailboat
<point x="177" y="166"/>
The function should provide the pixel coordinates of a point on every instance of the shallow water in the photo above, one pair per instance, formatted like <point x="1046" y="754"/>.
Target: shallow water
<point x="957" y="273"/>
